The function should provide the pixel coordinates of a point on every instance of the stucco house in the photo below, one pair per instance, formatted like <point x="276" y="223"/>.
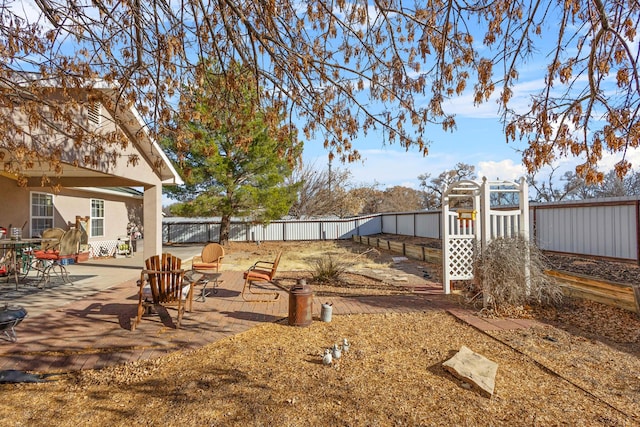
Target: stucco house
<point x="104" y="197"/>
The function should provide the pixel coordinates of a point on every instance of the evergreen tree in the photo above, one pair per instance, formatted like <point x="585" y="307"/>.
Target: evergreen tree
<point x="233" y="155"/>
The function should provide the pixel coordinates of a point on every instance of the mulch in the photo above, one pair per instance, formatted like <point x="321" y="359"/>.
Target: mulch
<point x="619" y="271"/>
<point x="597" y="268"/>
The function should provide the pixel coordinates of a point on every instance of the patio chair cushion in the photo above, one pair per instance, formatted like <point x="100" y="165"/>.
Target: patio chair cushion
<point x="210" y="258"/>
<point x="261" y="271"/>
<point x="47" y="255"/>
<point x="205" y="265"/>
<point x="258" y="274"/>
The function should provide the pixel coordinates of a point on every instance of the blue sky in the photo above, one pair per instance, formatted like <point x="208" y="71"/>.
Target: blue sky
<point x="478" y="140"/>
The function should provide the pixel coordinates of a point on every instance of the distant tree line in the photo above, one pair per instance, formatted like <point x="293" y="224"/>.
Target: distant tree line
<point x="570" y="186"/>
<point x="331" y="192"/>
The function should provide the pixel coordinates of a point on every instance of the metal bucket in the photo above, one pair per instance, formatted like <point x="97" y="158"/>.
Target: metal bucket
<point x="16" y="233"/>
<point x="325" y="313"/>
<point x="300" y="304"/>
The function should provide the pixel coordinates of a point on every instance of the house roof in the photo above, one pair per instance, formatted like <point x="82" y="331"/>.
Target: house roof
<point x="136" y="126"/>
<point x="130" y="122"/>
<point x="120" y="191"/>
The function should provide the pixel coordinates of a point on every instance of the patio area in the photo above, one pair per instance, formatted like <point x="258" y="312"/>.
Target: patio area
<point x="86" y="325"/>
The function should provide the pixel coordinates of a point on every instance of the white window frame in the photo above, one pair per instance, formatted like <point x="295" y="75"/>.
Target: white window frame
<point x="94" y="217"/>
<point x="37" y="214"/>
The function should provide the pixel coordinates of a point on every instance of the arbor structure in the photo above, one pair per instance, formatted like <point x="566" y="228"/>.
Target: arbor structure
<point x="239" y="154"/>
<point x="341" y="68"/>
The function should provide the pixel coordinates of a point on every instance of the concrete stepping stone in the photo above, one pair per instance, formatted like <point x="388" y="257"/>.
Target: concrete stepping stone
<point x="473" y="368"/>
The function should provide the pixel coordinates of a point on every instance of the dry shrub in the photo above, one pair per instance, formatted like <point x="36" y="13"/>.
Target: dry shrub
<point x="327" y="269"/>
<point x="500" y="272"/>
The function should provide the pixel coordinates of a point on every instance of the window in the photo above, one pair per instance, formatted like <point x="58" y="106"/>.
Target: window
<point x="41" y="213"/>
<point x="97" y="218"/>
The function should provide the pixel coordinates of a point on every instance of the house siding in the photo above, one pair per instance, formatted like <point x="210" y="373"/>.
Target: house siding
<point x="69" y="203"/>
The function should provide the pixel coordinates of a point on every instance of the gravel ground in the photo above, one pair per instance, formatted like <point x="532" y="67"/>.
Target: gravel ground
<point x="579" y="368"/>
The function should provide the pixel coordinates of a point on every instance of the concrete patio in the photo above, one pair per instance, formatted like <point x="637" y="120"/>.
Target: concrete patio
<point x="86" y="325"/>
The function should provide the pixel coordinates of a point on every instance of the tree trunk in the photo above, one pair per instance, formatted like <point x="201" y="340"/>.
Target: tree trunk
<point x="225" y="225"/>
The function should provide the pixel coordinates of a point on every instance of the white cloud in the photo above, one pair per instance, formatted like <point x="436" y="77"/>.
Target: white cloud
<point x="463" y="106"/>
<point x="28" y="10"/>
<point x="610" y="159"/>
<point x="503" y="170"/>
<point x="413" y="185"/>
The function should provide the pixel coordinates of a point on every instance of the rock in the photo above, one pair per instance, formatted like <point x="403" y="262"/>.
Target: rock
<point x="473" y="368"/>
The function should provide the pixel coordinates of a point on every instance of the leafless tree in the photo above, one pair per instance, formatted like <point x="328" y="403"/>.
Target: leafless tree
<point x="632" y="183"/>
<point x="322" y="192"/>
<point x="570" y="186"/>
<point x="574" y="187"/>
<point x="614" y="186"/>
<point x="433" y="187"/>
<point x="401" y="199"/>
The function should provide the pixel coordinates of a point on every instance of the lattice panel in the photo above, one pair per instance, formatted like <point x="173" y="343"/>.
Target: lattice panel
<point x="460" y="260"/>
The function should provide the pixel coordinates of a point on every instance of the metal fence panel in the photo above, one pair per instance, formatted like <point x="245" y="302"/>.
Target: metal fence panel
<point x="605" y="227"/>
<point x="389" y="223"/>
<point x="302" y="230"/>
<point x="366" y="226"/>
<point x="338" y="230"/>
<point x="406" y="224"/>
<point x="272" y="232"/>
<point x="191" y="232"/>
<point x="428" y="224"/>
<point x="608" y="230"/>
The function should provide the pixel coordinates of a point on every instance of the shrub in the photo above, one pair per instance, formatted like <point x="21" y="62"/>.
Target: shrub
<point x="500" y="272"/>
<point x="327" y="269"/>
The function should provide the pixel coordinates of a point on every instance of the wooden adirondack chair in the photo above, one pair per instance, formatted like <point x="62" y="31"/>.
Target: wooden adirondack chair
<point x="162" y="283"/>
<point x="261" y="271"/>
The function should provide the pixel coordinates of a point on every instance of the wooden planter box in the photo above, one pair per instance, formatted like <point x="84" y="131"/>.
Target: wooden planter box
<point x="82" y="257"/>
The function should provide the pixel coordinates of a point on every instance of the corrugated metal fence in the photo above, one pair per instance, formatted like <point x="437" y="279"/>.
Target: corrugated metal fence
<point x="599" y="227"/>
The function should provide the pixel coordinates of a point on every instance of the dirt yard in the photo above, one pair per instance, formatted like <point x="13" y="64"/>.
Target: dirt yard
<point x="580" y="368"/>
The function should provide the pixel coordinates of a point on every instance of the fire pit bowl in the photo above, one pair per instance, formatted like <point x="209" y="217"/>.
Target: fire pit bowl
<point x="10" y="317"/>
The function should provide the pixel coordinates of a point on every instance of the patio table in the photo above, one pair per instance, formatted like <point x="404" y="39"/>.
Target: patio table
<point x="205" y="278"/>
<point x="10" y="249"/>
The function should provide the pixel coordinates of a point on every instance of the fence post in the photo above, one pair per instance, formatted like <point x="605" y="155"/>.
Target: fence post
<point x="637" y="236"/>
<point x="636" y="294"/>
